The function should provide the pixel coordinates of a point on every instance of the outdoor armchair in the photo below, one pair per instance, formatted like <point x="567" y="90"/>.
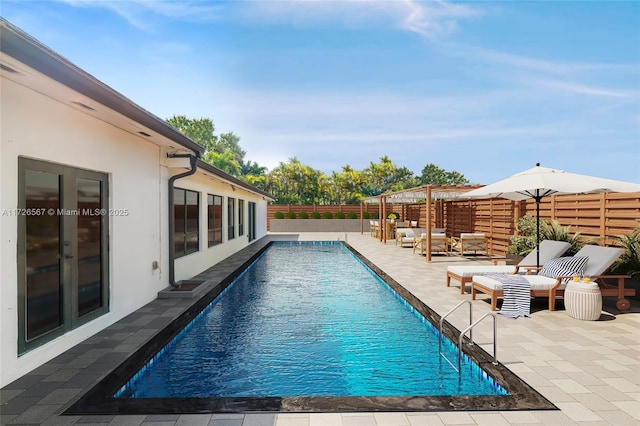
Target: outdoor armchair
<point x="406" y="236"/>
<point x="469" y="242"/>
<point x="439" y="243"/>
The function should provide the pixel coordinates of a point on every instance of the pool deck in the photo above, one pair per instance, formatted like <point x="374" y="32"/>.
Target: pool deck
<point x="589" y="369"/>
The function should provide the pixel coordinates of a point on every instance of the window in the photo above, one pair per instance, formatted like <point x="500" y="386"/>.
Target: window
<point x="186" y="214"/>
<point x="240" y="218"/>
<point x="252" y="221"/>
<point x="214" y="219"/>
<point x="231" y="226"/>
<point x="63" y="260"/>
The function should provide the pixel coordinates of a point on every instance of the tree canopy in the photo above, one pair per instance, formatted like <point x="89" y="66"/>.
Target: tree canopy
<point x="292" y="182"/>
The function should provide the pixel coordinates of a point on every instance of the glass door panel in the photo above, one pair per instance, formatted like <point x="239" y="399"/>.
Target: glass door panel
<point x="89" y="229"/>
<point x="43" y="292"/>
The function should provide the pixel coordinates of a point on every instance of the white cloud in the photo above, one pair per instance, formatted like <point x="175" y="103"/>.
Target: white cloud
<point x="429" y="19"/>
<point x="588" y="90"/>
<point x="138" y="12"/>
<point x="537" y="64"/>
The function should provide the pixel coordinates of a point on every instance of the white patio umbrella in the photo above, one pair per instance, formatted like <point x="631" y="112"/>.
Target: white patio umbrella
<point x="539" y="182"/>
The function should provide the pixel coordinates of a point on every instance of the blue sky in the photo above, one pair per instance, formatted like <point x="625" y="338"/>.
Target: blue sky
<point x="484" y="88"/>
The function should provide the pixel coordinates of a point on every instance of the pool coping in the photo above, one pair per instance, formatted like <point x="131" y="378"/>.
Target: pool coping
<point x="99" y="399"/>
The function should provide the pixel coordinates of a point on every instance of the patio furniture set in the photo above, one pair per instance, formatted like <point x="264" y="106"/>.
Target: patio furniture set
<point x="406" y="234"/>
<point x="581" y="279"/>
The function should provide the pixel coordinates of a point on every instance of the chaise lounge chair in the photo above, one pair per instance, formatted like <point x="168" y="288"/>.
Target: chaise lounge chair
<point x="552" y="284"/>
<point x="548" y="250"/>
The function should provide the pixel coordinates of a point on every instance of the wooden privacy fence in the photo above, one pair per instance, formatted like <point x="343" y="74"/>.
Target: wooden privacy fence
<point x="601" y="217"/>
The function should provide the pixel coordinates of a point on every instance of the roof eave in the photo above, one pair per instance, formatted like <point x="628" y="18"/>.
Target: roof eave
<point x="24" y="48"/>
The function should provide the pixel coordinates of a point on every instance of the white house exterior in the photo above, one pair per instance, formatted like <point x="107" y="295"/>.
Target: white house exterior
<point x="84" y="206"/>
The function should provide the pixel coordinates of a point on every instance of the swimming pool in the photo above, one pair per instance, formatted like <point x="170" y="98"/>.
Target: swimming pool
<point x="307" y="320"/>
<point x="409" y="396"/>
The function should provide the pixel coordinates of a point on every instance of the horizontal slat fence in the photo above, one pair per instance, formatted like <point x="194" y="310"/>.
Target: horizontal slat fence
<point x="599" y="217"/>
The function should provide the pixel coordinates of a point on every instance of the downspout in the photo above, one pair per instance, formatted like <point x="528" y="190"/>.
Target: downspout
<point x="172" y="179"/>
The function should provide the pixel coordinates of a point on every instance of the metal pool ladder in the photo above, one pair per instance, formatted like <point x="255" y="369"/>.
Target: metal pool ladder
<point x="470" y="330"/>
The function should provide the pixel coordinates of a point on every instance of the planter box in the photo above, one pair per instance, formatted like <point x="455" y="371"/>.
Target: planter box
<point x="317" y="225"/>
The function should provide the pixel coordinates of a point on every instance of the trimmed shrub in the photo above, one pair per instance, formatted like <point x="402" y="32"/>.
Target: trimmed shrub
<point x="374" y="215"/>
<point x="327" y="215"/>
<point x="315" y="215"/>
<point x="365" y="215"/>
<point x="303" y="215"/>
<point x="278" y="215"/>
<point x="340" y="215"/>
<point x="291" y="215"/>
<point x="352" y="215"/>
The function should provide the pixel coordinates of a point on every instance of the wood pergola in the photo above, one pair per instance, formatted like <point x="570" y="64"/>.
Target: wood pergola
<point x="421" y="194"/>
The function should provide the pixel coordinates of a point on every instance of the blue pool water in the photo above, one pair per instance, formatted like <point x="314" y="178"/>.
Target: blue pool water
<point x="312" y="320"/>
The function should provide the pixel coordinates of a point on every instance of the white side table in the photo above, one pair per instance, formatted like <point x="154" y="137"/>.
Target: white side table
<point x="582" y="300"/>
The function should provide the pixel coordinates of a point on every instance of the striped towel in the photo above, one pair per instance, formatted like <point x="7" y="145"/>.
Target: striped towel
<point x="517" y="295"/>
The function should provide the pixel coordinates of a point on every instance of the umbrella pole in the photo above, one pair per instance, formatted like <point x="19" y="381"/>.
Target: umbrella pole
<point x="538" y="197"/>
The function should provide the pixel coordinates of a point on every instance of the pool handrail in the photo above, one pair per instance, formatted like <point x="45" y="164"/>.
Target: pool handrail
<point x="495" y="337"/>
<point x="442" y="321"/>
<point x="470" y="330"/>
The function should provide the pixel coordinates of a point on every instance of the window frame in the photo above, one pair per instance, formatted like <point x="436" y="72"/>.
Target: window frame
<point x="231" y="218"/>
<point x="240" y="217"/>
<point x="186" y="225"/>
<point x="70" y="316"/>
<point x="251" y="235"/>
<point x="211" y="220"/>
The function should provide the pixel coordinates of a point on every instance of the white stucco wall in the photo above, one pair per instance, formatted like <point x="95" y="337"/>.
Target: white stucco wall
<point x="38" y="127"/>
<point x="194" y="263"/>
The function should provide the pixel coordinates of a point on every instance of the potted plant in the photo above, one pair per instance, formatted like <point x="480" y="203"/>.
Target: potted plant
<point x="523" y="243"/>
<point x="629" y="262"/>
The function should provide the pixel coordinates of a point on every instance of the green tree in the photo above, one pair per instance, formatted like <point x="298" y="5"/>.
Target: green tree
<point x="434" y="175"/>
<point x="226" y="161"/>
<point x="230" y="142"/>
<point x="252" y="168"/>
<point x="379" y="176"/>
<point x="201" y="130"/>
<point x="254" y="174"/>
<point x="403" y="178"/>
<point x="295" y="183"/>
<point x="222" y="151"/>
<point x="346" y="186"/>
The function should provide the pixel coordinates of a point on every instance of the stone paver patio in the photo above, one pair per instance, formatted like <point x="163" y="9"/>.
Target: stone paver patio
<point x="589" y="369"/>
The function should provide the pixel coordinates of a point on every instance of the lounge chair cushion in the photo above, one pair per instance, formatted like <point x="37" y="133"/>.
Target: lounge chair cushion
<point x="538" y="282"/>
<point x="600" y="258"/>
<point x="405" y="232"/>
<point x="470" y="271"/>
<point x="471" y="235"/>
<point x="549" y="249"/>
<point x="564" y="266"/>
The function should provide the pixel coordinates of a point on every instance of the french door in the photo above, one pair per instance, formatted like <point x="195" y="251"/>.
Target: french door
<point x="62" y="250"/>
